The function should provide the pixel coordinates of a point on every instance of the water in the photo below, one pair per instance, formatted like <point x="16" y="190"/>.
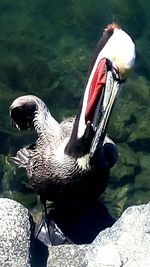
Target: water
<point x="45" y="49"/>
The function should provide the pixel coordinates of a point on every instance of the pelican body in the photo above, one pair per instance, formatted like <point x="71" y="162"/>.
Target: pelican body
<point x="71" y="160"/>
<point x="52" y="172"/>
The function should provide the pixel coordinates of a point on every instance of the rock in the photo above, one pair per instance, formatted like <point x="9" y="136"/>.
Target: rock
<point x="18" y="248"/>
<point x="139" y="197"/>
<point x="142" y="181"/>
<point x="126" y="243"/>
<point x="15" y="233"/>
<point x="66" y="255"/>
<point x="143" y="158"/>
<point x="119" y="196"/>
<point x="127" y="161"/>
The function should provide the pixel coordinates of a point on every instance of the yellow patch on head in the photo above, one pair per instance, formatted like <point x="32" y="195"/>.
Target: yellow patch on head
<point x="123" y="69"/>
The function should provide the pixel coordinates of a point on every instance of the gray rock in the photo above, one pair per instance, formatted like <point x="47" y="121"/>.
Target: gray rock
<point x="66" y="256"/>
<point x="15" y="233"/>
<point x="126" y="243"/>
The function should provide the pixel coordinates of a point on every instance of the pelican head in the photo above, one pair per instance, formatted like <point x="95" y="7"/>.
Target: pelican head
<point x="112" y="62"/>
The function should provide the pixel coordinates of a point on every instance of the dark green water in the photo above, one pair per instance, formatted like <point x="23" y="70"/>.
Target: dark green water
<point x="45" y="49"/>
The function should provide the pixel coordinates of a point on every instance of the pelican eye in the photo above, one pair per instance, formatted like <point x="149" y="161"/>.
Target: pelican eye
<point x="111" y="66"/>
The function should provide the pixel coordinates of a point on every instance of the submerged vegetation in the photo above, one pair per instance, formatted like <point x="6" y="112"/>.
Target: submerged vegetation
<point x="45" y="49"/>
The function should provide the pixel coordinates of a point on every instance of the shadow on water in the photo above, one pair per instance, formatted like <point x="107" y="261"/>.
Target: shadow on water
<point x="39" y="254"/>
<point x="38" y="251"/>
<point x="81" y="222"/>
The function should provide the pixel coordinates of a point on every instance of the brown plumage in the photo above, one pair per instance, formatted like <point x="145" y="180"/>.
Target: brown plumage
<point x="52" y="173"/>
<point x="71" y="160"/>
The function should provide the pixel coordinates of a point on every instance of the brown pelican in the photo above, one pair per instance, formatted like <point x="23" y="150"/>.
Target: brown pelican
<point x="71" y="160"/>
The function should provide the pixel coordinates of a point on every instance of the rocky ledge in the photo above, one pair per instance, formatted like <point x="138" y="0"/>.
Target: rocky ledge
<point x="126" y="243"/>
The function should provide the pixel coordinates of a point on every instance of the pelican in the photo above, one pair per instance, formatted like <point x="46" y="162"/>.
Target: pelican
<point x="71" y="160"/>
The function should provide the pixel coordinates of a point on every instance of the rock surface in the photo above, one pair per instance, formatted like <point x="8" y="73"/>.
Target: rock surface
<point x="15" y="233"/>
<point x="66" y="256"/>
<point x="126" y="243"/>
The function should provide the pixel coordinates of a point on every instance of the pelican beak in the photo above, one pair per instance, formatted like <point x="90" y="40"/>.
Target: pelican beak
<point x="104" y="107"/>
<point x="113" y="59"/>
